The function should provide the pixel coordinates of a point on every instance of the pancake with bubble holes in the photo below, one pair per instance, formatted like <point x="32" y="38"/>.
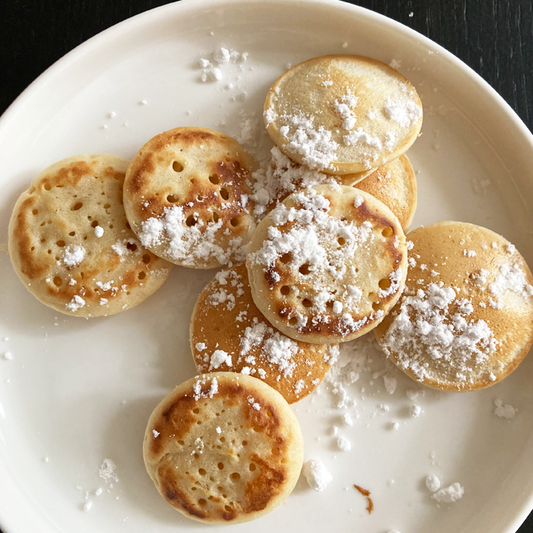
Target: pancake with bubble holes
<point x="327" y="264"/>
<point x="465" y="320"/>
<point x="186" y="196"/>
<point x="393" y="183"/>
<point x="228" y="333"/>
<point x="343" y="114"/>
<point x="223" y="448"/>
<point x="71" y="245"/>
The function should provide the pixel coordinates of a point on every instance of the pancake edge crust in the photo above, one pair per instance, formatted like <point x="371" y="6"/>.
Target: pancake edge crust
<point x="245" y="400"/>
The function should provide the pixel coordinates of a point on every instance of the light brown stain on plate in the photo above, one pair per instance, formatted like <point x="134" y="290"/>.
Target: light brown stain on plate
<point x="366" y="494"/>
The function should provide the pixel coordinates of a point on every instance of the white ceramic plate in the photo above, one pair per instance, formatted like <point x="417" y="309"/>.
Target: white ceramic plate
<point x="77" y="392"/>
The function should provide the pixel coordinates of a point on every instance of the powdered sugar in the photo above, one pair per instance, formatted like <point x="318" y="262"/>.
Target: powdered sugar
<point x="425" y="328"/>
<point x="107" y="471"/>
<point x="189" y="244"/>
<point x="314" y="144"/>
<point x="76" y="303"/>
<point x="403" y="111"/>
<point x="201" y="390"/>
<point x="316" y="474"/>
<point x="73" y="256"/>
<point x="218" y="358"/>
<point x="449" y="494"/>
<point x="280" y="178"/>
<point x="504" y="411"/>
<point x="343" y="106"/>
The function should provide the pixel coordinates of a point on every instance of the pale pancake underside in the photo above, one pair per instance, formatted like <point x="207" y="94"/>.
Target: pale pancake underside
<point x="327" y="264"/>
<point x="71" y="245"/>
<point x="465" y="320"/>
<point x="223" y="448"/>
<point x="229" y="334"/>
<point x="187" y="197"/>
<point x="343" y="114"/>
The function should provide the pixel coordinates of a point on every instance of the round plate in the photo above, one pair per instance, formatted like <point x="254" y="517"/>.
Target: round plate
<point x="76" y="392"/>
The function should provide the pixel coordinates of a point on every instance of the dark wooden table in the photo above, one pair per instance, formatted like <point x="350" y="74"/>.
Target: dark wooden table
<point x="494" y="37"/>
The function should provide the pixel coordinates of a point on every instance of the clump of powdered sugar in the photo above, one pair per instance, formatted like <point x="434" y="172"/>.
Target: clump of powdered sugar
<point x="344" y="107"/>
<point x="73" y="256"/>
<point x="212" y="69"/>
<point x="316" y="474"/>
<point x="219" y="357"/>
<point x="504" y="411"/>
<point x="432" y="483"/>
<point x="76" y="303"/>
<point x="403" y="111"/>
<point x="107" y="471"/>
<point x="510" y="278"/>
<point x="200" y="392"/>
<point x="449" y="494"/>
<point x="314" y="144"/>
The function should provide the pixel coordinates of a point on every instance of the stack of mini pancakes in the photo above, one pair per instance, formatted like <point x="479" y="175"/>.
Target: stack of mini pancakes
<point x="314" y="253"/>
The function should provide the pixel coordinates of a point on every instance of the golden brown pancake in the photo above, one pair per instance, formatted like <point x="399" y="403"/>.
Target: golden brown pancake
<point x="465" y="320"/>
<point x="343" y="114"/>
<point x="229" y="334"/>
<point x="394" y="184"/>
<point x="186" y="196"/>
<point x="327" y="264"/>
<point x="71" y="245"/>
<point x="223" y="448"/>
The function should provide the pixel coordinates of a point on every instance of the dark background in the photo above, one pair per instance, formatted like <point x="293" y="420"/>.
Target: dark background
<point x="494" y="37"/>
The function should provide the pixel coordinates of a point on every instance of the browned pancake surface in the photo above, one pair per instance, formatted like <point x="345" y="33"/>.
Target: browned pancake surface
<point x="187" y="197"/>
<point x="70" y="242"/>
<point x="223" y="448"/>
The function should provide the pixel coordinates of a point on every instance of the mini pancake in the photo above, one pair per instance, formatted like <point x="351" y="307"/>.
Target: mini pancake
<point x="229" y="334"/>
<point x="465" y="320"/>
<point x="327" y="264"/>
<point x="343" y="114"/>
<point x="71" y="245"/>
<point x="223" y="448"/>
<point x="394" y="184"/>
<point x="186" y="197"/>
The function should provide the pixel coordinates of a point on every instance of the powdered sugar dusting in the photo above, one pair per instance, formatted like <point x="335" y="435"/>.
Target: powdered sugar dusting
<point x="424" y="327"/>
<point x="188" y="244"/>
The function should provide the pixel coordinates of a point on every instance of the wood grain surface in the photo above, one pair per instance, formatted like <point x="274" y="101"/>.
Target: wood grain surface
<point x="493" y="37"/>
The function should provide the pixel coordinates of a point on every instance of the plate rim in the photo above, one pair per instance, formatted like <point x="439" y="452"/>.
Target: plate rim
<point x="105" y="36"/>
